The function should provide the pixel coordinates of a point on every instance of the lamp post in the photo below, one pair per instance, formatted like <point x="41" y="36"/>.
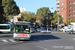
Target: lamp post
<point x="47" y="24"/>
<point x="57" y="18"/>
<point x="58" y="23"/>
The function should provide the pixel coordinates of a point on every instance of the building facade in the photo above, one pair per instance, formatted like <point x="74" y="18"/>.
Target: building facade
<point x="66" y="8"/>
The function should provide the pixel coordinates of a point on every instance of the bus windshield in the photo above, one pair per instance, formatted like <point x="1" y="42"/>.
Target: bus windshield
<point x="4" y="27"/>
<point x="22" y="29"/>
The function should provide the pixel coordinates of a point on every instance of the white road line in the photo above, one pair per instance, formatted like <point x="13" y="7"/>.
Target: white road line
<point x="4" y="40"/>
<point x="46" y="40"/>
<point x="73" y="38"/>
<point x="42" y="48"/>
<point x="12" y="40"/>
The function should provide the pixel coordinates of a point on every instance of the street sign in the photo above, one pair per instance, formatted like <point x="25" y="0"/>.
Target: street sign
<point x="51" y="25"/>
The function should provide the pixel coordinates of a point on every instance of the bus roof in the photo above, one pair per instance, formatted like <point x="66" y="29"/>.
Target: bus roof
<point x="22" y="23"/>
<point x="4" y="24"/>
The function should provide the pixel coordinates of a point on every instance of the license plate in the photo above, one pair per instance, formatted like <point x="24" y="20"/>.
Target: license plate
<point x="23" y="35"/>
<point x="22" y="38"/>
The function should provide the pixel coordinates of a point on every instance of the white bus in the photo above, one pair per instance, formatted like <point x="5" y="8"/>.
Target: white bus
<point x="5" y="28"/>
<point x="22" y="31"/>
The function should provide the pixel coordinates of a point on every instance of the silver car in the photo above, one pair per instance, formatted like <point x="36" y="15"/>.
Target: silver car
<point x="33" y="30"/>
<point x="43" y="30"/>
<point x="38" y="29"/>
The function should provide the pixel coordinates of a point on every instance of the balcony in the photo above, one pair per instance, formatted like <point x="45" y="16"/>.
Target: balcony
<point x="57" y="9"/>
<point x="57" y="5"/>
<point x="57" y="1"/>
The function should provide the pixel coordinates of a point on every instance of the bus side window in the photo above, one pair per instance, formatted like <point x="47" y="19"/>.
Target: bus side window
<point x="16" y="29"/>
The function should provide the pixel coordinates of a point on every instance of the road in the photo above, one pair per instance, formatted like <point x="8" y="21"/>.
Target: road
<point x="39" y="41"/>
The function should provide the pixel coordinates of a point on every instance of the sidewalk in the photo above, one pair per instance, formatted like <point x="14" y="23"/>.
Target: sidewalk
<point x="55" y="32"/>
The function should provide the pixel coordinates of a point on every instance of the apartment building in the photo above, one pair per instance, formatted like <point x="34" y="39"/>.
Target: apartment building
<point x="66" y="8"/>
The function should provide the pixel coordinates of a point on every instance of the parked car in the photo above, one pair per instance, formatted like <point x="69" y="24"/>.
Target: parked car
<point x="49" y="28"/>
<point x="69" y="30"/>
<point x="61" y="29"/>
<point x="43" y="30"/>
<point x="33" y="30"/>
<point x="65" y="29"/>
<point x="38" y="29"/>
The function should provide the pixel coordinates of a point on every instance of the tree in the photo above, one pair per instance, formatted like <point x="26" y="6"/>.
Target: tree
<point x="43" y="12"/>
<point x="73" y="20"/>
<point x="55" y="17"/>
<point x="67" y="21"/>
<point x="10" y="8"/>
<point x="30" y="16"/>
<point x="2" y="19"/>
<point x="39" y="19"/>
<point x="54" y="13"/>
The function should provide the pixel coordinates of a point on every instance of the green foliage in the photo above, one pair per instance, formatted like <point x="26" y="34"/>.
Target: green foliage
<point x="2" y="19"/>
<point x="73" y="20"/>
<point x="10" y="8"/>
<point x="67" y="21"/>
<point x="54" y="13"/>
<point x="28" y="17"/>
<point x="55" y="17"/>
<point x="42" y="13"/>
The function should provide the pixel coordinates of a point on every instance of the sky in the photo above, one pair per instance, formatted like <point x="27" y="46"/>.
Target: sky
<point x="33" y="5"/>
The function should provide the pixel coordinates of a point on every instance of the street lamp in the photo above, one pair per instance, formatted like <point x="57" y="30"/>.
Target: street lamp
<point x="58" y="19"/>
<point x="47" y="24"/>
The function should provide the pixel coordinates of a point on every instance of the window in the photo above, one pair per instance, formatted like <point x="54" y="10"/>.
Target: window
<point x="69" y="15"/>
<point x="69" y="11"/>
<point x="62" y="7"/>
<point x="73" y="6"/>
<point x="4" y="27"/>
<point x="69" y="2"/>
<point x="69" y="6"/>
<point x="62" y="15"/>
<point x="73" y="10"/>
<point x="70" y="19"/>
<point x="62" y="3"/>
<point x="74" y="15"/>
<point x="73" y="2"/>
<point x="57" y="3"/>
<point x="21" y="28"/>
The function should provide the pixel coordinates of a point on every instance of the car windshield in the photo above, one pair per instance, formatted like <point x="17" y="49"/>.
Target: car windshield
<point x="4" y="27"/>
<point x="42" y="29"/>
<point x="22" y="28"/>
<point x="38" y="28"/>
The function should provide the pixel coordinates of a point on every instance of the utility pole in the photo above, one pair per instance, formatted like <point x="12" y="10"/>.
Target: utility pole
<point x="58" y="23"/>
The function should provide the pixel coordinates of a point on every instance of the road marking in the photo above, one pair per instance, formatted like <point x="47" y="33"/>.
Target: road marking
<point x="46" y="40"/>
<point x="4" y="40"/>
<point x="43" y="48"/>
<point x="41" y="41"/>
<point x="12" y="40"/>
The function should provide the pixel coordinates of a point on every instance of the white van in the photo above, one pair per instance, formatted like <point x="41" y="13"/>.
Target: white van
<point x="73" y="27"/>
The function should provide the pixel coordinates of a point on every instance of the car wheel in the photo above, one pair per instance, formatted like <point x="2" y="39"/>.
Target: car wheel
<point x="71" y="32"/>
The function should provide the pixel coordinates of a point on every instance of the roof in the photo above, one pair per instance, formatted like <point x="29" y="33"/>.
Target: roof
<point x="4" y="24"/>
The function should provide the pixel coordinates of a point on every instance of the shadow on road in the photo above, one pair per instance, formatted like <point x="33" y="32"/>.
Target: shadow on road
<point x="43" y="37"/>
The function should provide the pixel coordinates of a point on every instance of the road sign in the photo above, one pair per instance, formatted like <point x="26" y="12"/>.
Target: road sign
<point x="51" y="25"/>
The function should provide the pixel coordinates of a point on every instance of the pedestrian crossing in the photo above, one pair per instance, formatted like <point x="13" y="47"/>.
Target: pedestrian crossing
<point x="32" y="40"/>
<point x="9" y="40"/>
